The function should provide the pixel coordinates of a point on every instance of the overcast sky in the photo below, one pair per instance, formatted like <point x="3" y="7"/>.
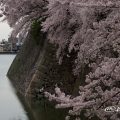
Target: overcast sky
<point x="5" y="30"/>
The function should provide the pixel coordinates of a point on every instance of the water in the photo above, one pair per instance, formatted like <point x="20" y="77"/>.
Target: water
<point x="10" y="106"/>
<point x="16" y="107"/>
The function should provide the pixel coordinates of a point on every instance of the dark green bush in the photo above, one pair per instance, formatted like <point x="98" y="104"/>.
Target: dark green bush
<point x="36" y="32"/>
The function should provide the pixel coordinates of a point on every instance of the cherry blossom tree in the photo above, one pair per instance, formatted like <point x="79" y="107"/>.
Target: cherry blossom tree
<point x="21" y="13"/>
<point x="91" y="30"/>
<point x="101" y="90"/>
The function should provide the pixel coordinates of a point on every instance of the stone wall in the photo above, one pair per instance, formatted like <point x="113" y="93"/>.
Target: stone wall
<point x="36" y="66"/>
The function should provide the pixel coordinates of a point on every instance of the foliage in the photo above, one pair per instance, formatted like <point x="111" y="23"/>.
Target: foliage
<point x="21" y="13"/>
<point x="36" y="31"/>
<point x="91" y="28"/>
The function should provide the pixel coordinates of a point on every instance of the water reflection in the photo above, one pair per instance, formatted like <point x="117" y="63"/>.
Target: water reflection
<point x="10" y="106"/>
<point x="44" y="110"/>
<point x="13" y="106"/>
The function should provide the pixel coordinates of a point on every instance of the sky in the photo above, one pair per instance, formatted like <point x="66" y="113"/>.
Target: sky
<point x="5" y="30"/>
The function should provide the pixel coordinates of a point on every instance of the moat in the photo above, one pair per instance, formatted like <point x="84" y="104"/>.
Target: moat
<point x="10" y="106"/>
<point x="16" y="107"/>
